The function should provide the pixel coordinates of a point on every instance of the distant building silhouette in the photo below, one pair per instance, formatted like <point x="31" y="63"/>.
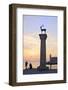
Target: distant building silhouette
<point x="52" y="61"/>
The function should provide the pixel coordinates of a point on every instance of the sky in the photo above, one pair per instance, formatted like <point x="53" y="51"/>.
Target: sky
<point x="31" y="29"/>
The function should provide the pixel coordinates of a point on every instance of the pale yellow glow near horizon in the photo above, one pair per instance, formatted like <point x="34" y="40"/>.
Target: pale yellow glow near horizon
<point x="32" y="47"/>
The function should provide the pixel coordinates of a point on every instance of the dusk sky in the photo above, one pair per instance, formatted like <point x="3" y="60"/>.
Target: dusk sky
<point x="31" y="37"/>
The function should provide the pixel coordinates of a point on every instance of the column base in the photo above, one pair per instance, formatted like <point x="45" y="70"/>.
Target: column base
<point x="42" y="68"/>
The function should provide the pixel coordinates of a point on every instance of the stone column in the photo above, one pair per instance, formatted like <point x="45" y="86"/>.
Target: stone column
<point x="43" y="50"/>
<point x="43" y="37"/>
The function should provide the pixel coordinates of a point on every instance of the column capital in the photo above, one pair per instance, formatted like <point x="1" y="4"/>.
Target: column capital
<point x="43" y="36"/>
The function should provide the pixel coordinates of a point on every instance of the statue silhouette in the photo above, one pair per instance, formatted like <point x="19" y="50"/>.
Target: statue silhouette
<point x="30" y="66"/>
<point x="26" y="64"/>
